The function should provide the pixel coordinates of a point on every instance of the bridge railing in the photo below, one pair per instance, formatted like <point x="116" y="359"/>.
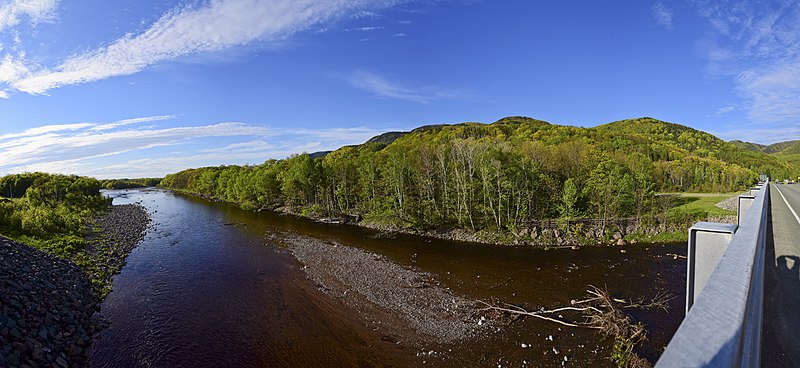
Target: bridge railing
<point x="722" y="327"/>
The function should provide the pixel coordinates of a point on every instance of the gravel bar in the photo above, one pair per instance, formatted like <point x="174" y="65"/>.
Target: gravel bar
<point x="404" y="299"/>
<point x="112" y="236"/>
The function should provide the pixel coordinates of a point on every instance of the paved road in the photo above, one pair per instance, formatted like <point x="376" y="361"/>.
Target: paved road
<point x="781" y="334"/>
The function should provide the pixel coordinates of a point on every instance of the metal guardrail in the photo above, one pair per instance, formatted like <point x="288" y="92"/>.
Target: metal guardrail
<point x="723" y="326"/>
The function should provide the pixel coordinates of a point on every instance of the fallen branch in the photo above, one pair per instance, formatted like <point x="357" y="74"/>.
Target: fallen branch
<point x="523" y="312"/>
<point x="601" y="312"/>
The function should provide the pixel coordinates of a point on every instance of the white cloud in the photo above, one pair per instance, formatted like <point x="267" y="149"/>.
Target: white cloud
<point x="215" y="26"/>
<point x="160" y="166"/>
<point x="54" y="147"/>
<point x="44" y="130"/>
<point x="382" y="87"/>
<point x="113" y="150"/>
<point x="11" y="13"/>
<point x="251" y="146"/>
<point x="662" y="15"/>
<point x="133" y="121"/>
<point x="766" y="135"/>
<point x="367" y="28"/>
<point x="757" y="46"/>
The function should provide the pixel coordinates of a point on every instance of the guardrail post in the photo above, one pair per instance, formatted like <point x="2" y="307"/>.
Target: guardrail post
<point x="707" y="244"/>
<point x="723" y="327"/>
<point x="745" y="201"/>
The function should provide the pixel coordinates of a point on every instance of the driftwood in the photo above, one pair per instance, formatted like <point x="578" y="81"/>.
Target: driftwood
<point x="602" y="312"/>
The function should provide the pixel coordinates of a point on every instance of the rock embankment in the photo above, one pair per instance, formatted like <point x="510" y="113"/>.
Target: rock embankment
<point x="48" y="304"/>
<point x="403" y="301"/>
<point x="46" y="308"/>
<point x="730" y="204"/>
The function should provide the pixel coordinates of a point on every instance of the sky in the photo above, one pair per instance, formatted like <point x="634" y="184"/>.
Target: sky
<point x="142" y="88"/>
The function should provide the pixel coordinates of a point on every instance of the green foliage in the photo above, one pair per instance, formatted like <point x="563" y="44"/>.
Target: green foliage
<point x="49" y="211"/>
<point x="493" y="177"/>
<point x="569" y="198"/>
<point x="130" y="183"/>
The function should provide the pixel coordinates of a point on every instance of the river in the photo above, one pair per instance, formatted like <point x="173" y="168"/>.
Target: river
<point x="207" y="288"/>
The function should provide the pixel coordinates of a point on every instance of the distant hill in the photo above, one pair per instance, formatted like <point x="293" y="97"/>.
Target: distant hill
<point x="386" y="138"/>
<point x="788" y="147"/>
<point x="319" y="154"/>
<point x="755" y="147"/>
<point x="788" y="151"/>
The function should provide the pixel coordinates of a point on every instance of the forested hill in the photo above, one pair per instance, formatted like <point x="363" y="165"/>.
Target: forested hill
<point x="787" y="151"/>
<point x="482" y="176"/>
<point x="789" y="147"/>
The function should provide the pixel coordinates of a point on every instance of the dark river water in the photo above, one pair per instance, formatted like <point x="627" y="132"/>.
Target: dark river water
<point x="206" y="289"/>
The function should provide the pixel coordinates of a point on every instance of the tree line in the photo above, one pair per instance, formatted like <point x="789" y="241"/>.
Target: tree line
<point x="130" y="183"/>
<point x="492" y="176"/>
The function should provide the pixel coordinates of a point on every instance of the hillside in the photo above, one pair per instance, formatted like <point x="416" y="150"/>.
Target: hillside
<point x="755" y="147"/>
<point x="788" y="151"/>
<point x="787" y="147"/>
<point x="495" y="176"/>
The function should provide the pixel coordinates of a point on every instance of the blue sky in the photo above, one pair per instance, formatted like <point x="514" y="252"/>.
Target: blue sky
<point x="132" y="88"/>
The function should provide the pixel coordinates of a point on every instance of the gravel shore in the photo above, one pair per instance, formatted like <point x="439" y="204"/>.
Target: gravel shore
<point x="406" y="303"/>
<point x="112" y="236"/>
<point x="48" y="304"/>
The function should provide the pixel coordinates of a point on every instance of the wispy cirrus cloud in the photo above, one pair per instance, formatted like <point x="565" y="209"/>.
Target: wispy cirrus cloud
<point x="115" y="149"/>
<point x="179" y="160"/>
<point x="213" y="26"/>
<point x="385" y="88"/>
<point x="83" y="144"/>
<point x="36" y="11"/>
<point x="124" y="122"/>
<point x="757" y="46"/>
<point x="44" y="130"/>
<point x="662" y="15"/>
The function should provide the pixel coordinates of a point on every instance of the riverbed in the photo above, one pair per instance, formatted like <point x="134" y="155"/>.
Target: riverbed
<point x="210" y="286"/>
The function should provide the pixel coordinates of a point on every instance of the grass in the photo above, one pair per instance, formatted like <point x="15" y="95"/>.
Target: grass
<point x="702" y="203"/>
<point x="662" y="237"/>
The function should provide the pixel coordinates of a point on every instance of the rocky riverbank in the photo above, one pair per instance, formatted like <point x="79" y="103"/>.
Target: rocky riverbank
<point x="406" y="304"/>
<point x="48" y="304"/>
<point x="112" y="236"/>
<point x="46" y="308"/>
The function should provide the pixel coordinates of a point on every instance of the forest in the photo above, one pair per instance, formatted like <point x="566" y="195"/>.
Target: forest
<point x="493" y="176"/>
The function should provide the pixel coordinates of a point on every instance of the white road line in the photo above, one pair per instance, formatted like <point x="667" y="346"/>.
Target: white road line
<point x="788" y="205"/>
